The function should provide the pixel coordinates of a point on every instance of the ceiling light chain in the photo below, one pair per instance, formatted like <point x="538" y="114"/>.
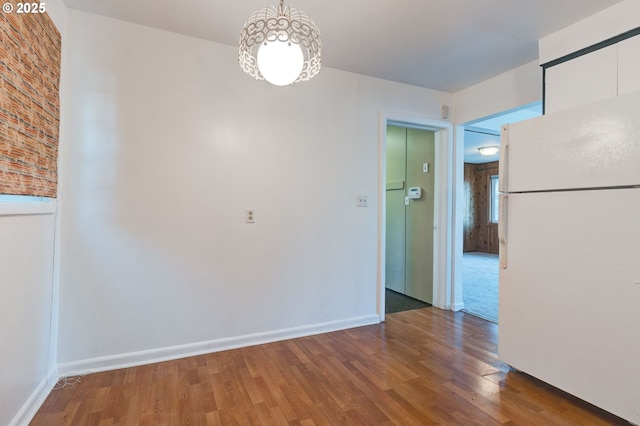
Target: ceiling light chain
<point x="281" y="42"/>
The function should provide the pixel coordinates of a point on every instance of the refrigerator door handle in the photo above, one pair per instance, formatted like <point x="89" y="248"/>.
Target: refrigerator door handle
<point x="502" y="229"/>
<point x="503" y="165"/>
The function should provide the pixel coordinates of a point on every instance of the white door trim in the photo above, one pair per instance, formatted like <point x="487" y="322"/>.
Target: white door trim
<point x="444" y="220"/>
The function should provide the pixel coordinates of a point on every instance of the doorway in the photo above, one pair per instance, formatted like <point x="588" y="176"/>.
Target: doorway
<point x="480" y="227"/>
<point x="445" y="222"/>
<point x="410" y="203"/>
<point x="480" y="283"/>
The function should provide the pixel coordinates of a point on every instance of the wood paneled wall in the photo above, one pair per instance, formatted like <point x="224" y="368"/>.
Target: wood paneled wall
<point x="479" y="233"/>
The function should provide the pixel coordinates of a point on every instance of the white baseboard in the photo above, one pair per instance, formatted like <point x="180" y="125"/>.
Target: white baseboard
<point x="134" y="359"/>
<point x="32" y="405"/>
<point x="457" y="307"/>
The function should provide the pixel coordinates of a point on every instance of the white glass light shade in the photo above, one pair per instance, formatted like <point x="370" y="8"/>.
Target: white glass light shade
<point x="489" y="150"/>
<point x="286" y="32"/>
<point x="280" y="62"/>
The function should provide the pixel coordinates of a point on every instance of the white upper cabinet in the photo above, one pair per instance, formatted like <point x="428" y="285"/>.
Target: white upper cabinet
<point x="629" y="65"/>
<point x="585" y="79"/>
<point x="601" y="74"/>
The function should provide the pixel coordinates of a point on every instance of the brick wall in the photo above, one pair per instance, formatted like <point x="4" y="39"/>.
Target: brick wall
<point x="29" y="103"/>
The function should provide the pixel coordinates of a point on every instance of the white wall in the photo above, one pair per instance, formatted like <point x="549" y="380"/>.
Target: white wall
<point x="26" y="262"/>
<point x="168" y="144"/>
<point x="512" y="89"/>
<point x="28" y="357"/>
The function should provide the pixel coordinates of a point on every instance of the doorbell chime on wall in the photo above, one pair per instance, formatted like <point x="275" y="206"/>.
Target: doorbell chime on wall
<point x="445" y="111"/>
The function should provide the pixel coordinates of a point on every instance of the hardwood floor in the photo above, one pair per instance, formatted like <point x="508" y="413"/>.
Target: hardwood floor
<point x="421" y="367"/>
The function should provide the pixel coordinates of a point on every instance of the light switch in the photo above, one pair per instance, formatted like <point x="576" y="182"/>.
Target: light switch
<point x="425" y="167"/>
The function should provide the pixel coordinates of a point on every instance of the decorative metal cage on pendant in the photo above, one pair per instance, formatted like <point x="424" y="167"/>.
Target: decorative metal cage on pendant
<point x="280" y="40"/>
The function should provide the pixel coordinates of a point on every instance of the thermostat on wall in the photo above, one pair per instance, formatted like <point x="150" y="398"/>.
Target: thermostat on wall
<point x="415" y="193"/>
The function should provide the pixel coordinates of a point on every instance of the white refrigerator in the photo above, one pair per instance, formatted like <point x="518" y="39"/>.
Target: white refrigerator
<point x="569" y="234"/>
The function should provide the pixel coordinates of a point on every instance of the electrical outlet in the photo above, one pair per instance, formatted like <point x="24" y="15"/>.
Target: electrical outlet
<point x="250" y="216"/>
<point x="362" y="201"/>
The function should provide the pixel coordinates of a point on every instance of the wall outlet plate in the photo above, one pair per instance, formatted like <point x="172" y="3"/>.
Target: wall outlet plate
<point x="362" y="201"/>
<point x="250" y="216"/>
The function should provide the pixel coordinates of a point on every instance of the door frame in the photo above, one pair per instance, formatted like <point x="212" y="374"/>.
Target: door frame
<point x="444" y="237"/>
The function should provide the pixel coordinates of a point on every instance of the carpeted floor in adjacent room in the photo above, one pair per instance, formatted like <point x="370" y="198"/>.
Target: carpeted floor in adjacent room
<point x="480" y="284"/>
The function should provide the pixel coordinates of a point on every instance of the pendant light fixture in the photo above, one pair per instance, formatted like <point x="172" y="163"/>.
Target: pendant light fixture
<point x="281" y="45"/>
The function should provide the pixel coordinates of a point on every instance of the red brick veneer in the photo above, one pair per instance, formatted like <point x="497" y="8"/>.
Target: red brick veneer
<point x="30" y="52"/>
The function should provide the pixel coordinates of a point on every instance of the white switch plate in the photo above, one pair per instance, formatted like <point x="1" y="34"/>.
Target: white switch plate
<point x="250" y="216"/>
<point x="425" y="167"/>
<point x="362" y="201"/>
<point x="445" y="111"/>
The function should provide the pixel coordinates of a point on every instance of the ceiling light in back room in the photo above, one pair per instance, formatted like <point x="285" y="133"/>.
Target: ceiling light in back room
<point x="489" y="150"/>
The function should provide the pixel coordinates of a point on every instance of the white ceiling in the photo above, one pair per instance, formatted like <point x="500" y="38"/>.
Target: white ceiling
<point x="443" y="45"/>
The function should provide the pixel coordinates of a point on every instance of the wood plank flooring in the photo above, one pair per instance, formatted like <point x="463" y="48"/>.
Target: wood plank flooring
<point x="421" y="367"/>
